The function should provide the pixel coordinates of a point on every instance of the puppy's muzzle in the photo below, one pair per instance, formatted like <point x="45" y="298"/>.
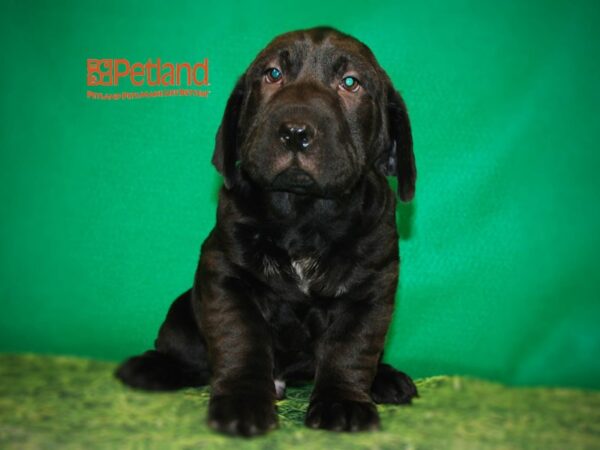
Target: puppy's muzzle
<point x="294" y="179"/>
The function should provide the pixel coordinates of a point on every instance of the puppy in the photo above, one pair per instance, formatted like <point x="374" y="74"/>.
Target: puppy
<point x="297" y="280"/>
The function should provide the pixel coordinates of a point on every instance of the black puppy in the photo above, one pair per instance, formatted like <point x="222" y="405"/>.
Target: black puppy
<point x="297" y="280"/>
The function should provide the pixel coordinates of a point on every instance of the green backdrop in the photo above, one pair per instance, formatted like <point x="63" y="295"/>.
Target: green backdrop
<point x="105" y="203"/>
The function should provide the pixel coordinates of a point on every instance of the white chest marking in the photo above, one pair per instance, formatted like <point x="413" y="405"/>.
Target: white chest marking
<point x="340" y="290"/>
<point x="305" y="269"/>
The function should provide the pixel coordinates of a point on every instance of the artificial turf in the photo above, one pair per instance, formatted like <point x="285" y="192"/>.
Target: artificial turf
<point x="66" y="402"/>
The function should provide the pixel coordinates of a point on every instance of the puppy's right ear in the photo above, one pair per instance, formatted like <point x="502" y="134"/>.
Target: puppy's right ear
<point x="226" y="154"/>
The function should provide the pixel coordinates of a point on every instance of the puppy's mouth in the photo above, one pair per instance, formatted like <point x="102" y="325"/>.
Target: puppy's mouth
<point x="294" y="180"/>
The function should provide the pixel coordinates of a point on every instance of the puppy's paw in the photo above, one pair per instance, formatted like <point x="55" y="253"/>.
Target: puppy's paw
<point x="242" y="415"/>
<point x="154" y="371"/>
<point x="392" y="386"/>
<point x="342" y="415"/>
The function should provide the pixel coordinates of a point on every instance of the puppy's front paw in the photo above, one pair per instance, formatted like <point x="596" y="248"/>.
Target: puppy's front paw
<point x="342" y="415"/>
<point x="242" y="415"/>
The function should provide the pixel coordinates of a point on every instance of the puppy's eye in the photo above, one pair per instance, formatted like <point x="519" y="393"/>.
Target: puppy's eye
<point x="273" y="75"/>
<point x="350" y="84"/>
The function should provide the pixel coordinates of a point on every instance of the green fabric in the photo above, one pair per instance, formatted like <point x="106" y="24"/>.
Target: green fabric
<point x="59" y="402"/>
<point x="105" y="203"/>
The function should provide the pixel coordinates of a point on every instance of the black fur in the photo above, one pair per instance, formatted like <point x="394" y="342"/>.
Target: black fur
<point x="297" y="280"/>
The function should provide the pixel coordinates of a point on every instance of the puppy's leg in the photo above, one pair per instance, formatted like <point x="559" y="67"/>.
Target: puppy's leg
<point x="179" y="359"/>
<point x="347" y="360"/>
<point x="243" y="392"/>
<point x="392" y="386"/>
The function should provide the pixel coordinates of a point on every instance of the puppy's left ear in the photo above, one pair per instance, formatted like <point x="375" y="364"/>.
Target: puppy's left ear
<point x="399" y="160"/>
<point x="226" y="153"/>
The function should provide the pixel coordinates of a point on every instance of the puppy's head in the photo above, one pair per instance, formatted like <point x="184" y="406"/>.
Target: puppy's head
<point x="312" y="114"/>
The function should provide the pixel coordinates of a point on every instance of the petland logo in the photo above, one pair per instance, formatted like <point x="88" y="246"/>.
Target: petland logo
<point x="115" y="77"/>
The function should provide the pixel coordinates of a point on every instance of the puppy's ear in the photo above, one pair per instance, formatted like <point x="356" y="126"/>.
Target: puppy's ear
<point x="399" y="160"/>
<point x="226" y="152"/>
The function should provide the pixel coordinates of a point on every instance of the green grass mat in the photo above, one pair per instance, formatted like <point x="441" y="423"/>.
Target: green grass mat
<point x="63" y="402"/>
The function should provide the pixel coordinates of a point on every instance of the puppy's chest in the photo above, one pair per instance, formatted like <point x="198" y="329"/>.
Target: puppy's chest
<point x="308" y="273"/>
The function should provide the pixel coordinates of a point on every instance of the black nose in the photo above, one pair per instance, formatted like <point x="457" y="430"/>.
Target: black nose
<point x="296" y="136"/>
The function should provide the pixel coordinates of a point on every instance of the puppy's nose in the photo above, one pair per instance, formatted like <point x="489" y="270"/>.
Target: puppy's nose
<point x="296" y="136"/>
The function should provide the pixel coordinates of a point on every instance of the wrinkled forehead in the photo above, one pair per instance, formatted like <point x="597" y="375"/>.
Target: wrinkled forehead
<point x="323" y="52"/>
